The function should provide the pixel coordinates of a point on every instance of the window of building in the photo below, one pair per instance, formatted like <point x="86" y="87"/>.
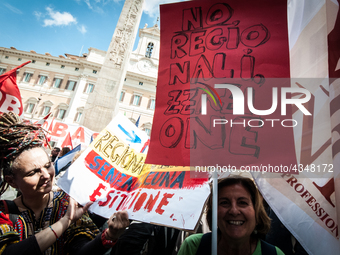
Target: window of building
<point x="6" y="57"/>
<point x="42" y="79"/>
<point x="94" y="71"/>
<point x="148" y="131"/>
<point x="57" y="82"/>
<point x="61" y="110"/>
<point x="76" y="69"/>
<point x="33" y="62"/>
<point x="141" y="83"/>
<point x="31" y="104"/>
<point x="30" y="107"/>
<point x="61" y="113"/>
<point x="78" y="117"/>
<point x="149" y="49"/>
<point x="46" y="110"/>
<point x="47" y="64"/>
<point x="19" y="59"/>
<point x="121" y="97"/>
<point x="152" y="104"/>
<point x="89" y="88"/>
<point x="62" y="66"/>
<point x="71" y="85"/>
<point x="136" y="100"/>
<point x="147" y="127"/>
<point x="132" y="120"/>
<point x="2" y="70"/>
<point x="27" y="77"/>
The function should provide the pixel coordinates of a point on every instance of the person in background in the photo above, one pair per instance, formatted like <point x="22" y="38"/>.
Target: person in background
<point x="54" y="153"/>
<point x="64" y="151"/>
<point x="41" y="221"/>
<point x="242" y="222"/>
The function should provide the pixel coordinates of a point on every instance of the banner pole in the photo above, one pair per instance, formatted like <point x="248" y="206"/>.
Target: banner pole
<point x="214" y="213"/>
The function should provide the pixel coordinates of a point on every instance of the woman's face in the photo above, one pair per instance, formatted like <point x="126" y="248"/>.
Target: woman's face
<point x="236" y="213"/>
<point x="33" y="172"/>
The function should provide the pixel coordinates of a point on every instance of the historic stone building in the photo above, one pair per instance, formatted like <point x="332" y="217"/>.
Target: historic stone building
<point x="62" y="84"/>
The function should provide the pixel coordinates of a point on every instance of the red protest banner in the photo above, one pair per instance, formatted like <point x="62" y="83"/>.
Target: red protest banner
<point x="58" y="131"/>
<point x="233" y="43"/>
<point x="10" y="98"/>
<point x="67" y="142"/>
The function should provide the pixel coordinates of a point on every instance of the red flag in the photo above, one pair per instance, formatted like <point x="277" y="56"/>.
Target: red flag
<point x="67" y="142"/>
<point x="10" y="98"/>
<point x="42" y="121"/>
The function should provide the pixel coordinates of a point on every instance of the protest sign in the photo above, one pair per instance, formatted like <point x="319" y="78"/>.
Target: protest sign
<point x="112" y="173"/>
<point x="58" y="132"/>
<point x="243" y="45"/>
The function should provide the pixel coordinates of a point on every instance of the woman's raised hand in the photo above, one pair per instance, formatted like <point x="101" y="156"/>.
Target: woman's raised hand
<point x="75" y="211"/>
<point x="49" y="235"/>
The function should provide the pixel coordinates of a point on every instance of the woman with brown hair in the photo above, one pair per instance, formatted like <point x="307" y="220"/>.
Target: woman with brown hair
<point x="242" y="222"/>
<point x="43" y="221"/>
<point x="64" y="151"/>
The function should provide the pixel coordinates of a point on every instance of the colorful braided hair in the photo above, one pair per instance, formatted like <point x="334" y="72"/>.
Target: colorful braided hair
<point x="15" y="137"/>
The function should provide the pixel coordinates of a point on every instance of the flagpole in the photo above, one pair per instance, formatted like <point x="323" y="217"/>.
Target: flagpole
<point x="214" y="213"/>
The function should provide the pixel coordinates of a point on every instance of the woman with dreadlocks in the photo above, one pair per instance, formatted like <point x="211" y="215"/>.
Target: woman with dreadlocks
<point x="43" y="221"/>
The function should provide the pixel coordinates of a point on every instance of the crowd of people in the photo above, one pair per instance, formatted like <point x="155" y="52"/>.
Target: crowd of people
<point x="42" y="221"/>
<point x="56" y="153"/>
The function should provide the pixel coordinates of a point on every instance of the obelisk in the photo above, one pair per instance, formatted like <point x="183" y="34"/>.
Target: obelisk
<point x="102" y="103"/>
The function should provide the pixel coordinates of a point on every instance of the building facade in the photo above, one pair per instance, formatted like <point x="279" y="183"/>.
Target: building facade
<point x="62" y="84"/>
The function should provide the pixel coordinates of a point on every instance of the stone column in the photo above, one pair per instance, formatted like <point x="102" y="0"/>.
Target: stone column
<point x="34" y="78"/>
<point x="102" y="104"/>
<point x="50" y="80"/>
<point x="64" y="82"/>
